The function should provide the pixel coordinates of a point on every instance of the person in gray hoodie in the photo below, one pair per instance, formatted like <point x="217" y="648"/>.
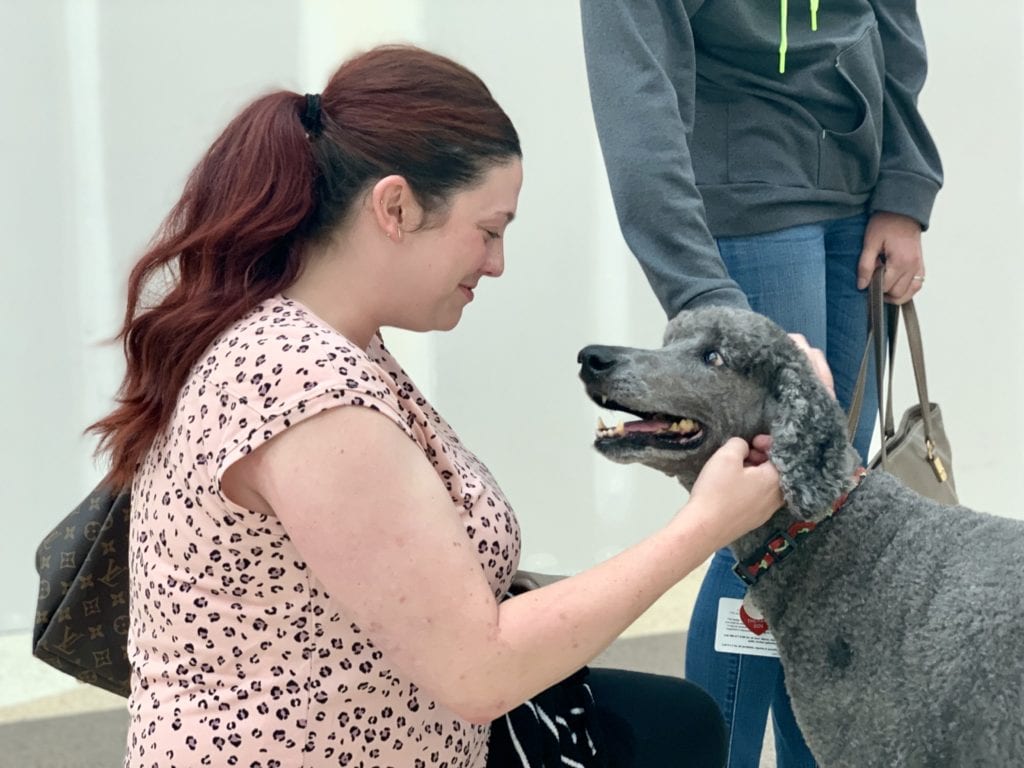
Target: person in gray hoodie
<point x="765" y="156"/>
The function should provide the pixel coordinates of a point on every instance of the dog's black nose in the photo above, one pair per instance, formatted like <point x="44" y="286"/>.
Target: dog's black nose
<point x="595" y="361"/>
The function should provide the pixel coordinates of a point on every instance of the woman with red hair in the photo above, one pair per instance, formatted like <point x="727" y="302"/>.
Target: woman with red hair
<point x="317" y="562"/>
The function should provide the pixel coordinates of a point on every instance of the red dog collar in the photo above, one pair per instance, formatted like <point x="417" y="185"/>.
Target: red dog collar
<point x="782" y="544"/>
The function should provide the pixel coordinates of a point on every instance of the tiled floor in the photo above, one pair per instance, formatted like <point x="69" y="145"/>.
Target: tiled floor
<point x="49" y="720"/>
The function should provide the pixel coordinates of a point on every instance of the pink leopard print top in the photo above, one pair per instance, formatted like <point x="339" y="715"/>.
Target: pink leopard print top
<point x="240" y="657"/>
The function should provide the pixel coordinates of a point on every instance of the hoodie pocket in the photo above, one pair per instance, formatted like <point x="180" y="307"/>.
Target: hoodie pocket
<point x="771" y="141"/>
<point x="849" y="161"/>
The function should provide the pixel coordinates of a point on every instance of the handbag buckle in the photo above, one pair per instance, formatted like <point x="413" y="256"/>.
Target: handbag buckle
<point x="936" y="462"/>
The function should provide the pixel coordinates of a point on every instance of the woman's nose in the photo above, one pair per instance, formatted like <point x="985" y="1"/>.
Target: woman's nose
<point x="495" y="263"/>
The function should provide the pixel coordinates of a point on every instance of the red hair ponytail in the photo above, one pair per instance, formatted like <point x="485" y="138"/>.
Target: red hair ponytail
<point x="251" y="191"/>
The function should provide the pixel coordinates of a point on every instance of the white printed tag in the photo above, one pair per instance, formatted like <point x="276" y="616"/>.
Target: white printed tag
<point x="732" y="635"/>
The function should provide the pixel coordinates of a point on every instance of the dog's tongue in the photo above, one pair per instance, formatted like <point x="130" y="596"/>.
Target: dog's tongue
<point x="646" y="426"/>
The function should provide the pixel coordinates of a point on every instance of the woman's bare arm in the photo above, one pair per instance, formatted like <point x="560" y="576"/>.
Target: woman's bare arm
<point x="375" y="524"/>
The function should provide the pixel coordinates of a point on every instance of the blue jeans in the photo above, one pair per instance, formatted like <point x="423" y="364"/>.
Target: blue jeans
<point x="805" y="279"/>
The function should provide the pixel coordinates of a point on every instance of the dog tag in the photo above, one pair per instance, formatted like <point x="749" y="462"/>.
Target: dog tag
<point x="733" y="636"/>
<point x="755" y="623"/>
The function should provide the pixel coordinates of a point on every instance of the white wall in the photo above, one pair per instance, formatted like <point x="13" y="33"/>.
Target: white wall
<point x="972" y="310"/>
<point x="110" y="102"/>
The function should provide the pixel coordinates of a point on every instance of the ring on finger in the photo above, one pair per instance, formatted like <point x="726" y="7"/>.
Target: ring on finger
<point x="918" y="278"/>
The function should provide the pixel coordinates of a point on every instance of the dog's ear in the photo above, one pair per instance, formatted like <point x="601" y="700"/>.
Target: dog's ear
<point x="810" y="447"/>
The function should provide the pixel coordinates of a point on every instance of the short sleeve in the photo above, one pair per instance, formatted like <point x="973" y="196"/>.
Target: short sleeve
<point x="270" y="376"/>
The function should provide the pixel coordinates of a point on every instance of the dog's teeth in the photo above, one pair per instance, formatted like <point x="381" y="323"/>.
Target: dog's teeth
<point x="603" y="399"/>
<point x="605" y="431"/>
<point x="683" y="425"/>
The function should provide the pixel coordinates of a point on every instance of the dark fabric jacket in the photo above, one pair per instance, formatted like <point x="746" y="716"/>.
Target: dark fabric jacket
<point x="703" y="136"/>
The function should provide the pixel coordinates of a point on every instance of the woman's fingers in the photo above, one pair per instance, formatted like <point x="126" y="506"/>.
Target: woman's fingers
<point x="817" y="360"/>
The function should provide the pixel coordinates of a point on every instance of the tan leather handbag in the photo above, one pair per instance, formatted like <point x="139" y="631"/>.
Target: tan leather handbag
<point x="918" y="452"/>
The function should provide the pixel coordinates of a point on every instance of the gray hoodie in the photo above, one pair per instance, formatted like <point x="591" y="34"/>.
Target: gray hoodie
<point x="713" y="123"/>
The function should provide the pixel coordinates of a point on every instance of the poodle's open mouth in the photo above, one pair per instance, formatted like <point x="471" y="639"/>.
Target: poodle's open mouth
<point x="656" y="430"/>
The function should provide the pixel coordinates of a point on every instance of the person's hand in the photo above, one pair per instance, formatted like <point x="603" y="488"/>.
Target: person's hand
<point x="818" y="362"/>
<point x="895" y="240"/>
<point x="759" y="448"/>
<point x="736" y="491"/>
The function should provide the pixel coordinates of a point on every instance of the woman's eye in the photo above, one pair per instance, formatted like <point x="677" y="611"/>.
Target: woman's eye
<point x="492" y="235"/>
<point x="712" y="357"/>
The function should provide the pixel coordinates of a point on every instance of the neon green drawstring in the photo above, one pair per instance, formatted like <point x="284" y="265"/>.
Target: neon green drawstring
<point x="783" y="38"/>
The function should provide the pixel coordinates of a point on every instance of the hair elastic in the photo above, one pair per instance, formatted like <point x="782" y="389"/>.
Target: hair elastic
<point x="312" y="118"/>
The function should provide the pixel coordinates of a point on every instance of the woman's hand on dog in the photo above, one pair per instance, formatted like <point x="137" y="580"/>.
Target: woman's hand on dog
<point x="818" y="362"/>
<point x="737" y="490"/>
<point x="759" y="448"/>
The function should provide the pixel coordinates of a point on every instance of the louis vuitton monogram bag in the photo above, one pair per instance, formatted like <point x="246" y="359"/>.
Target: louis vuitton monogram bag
<point x="81" y="623"/>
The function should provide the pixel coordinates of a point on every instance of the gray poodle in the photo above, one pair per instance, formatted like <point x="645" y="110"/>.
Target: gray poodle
<point x="898" y="620"/>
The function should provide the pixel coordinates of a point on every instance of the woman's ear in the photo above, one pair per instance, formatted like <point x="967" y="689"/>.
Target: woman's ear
<point x="395" y="208"/>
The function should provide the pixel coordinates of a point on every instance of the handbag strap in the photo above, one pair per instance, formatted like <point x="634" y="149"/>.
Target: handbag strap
<point x="877" y="317"/>
<point x="885" y="317"/>
<point x="917" y="358"/>
<point x="875" y="341"/>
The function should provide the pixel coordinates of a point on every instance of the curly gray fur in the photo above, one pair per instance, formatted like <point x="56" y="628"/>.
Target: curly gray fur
<point x="898" y="621"/>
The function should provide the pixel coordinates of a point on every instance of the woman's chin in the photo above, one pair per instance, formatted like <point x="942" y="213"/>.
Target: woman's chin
<point x="448" y="324"/>
<point x="445" y="322"/>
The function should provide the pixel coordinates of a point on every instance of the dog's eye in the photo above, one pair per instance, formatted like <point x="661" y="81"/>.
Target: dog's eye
<point x="712" y="357"/>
